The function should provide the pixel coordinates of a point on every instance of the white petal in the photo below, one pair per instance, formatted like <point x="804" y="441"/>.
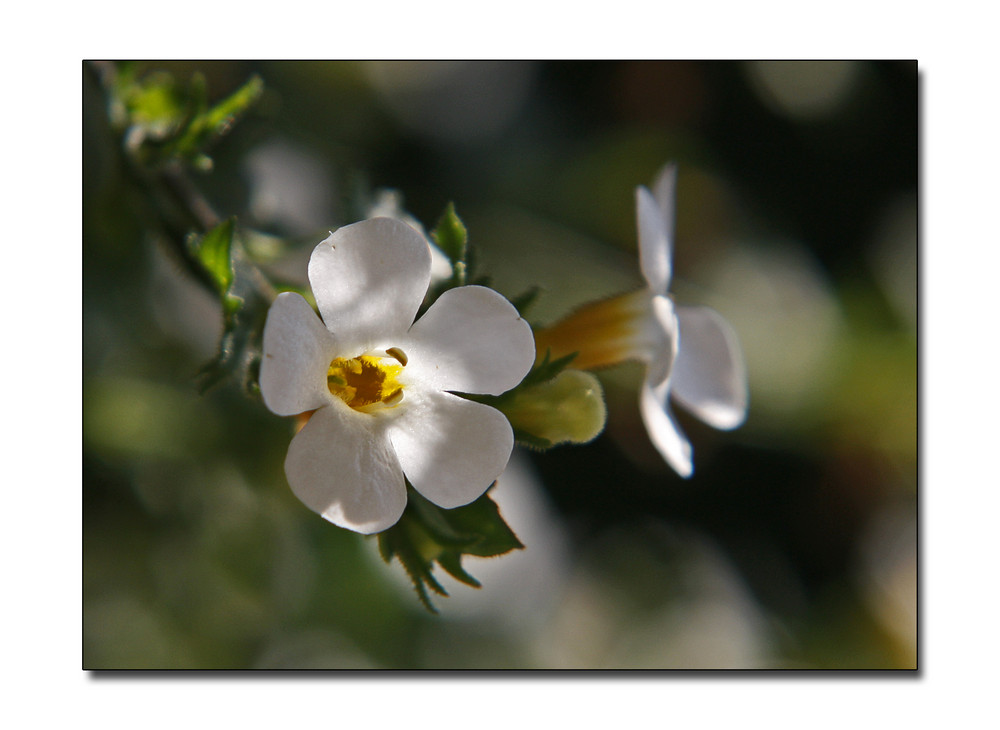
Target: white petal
<point x="369" y="279"/>
<point x="471" y="340"/>
<point x="451" y="449"/>
<point x="664" y="190"/>
<point x="663" y="430"/>
<point x="297" y="351"/>
<point x="709" y="377"/>
<point x="342" y="466"/>
<point x="655" y="249"/>
<point x="664" y="340"/>
<point x="389" y="204"/>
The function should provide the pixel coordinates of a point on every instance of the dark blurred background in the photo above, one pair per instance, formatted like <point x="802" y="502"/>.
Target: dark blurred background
<point x="794" y="544"/>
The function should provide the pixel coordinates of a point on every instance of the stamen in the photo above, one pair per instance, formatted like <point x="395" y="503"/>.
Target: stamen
<point x="398" y="354"/>
<point x="365" y="382"/>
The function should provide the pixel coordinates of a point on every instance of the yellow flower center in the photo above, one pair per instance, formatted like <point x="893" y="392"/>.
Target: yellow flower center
<point x="368" y="382"/>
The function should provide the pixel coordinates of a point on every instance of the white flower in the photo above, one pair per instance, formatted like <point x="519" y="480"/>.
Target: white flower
<point x="691" y="353"/>
<point x="380" y="386"/>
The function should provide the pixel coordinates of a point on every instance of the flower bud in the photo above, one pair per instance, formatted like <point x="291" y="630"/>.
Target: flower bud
<point x="568" y="408"/>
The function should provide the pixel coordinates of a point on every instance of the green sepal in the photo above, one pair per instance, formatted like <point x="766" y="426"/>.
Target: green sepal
<point x="529" y="440"/>
<point x="452" y="565"/>
<point x="547" y="369"/>
<point x="397" y="543"/>
<point x="427" y="535"/>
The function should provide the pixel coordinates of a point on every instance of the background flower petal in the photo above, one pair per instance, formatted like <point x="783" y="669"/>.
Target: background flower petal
<point x="369" y="279"/>
<point x="451" y="449"/>
<point x="297" y="351"/>
<point x="471" y="340"/>
<point x="664" y="191"/>
<point x="663" y="430"/>
<point x="655" y="247"/>
<point x="663" y="340"/>
<point x="709" y="377"/>
<point x="341" y="465"/>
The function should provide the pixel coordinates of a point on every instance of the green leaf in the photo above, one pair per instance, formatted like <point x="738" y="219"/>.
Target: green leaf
<point x="155" y="104"/>
<point x="214" y="252"/>
<point x="482" y="519"/>
<point x="208" y="125"/>
<point x="168" y="121"/>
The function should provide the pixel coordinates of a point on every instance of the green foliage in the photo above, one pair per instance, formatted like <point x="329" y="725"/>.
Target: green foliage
<point x="209" y="124"/>
<point x="452" y="238"/>
<point x="164" y="121"/>
<point x="166" y="128"/>
<point x="214" y="252"/>
<point x="427" y="534"/>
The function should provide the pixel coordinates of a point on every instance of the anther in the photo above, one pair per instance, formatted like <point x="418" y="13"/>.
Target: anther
<point x="398" y="354"/>
<point x="394" y="397"/>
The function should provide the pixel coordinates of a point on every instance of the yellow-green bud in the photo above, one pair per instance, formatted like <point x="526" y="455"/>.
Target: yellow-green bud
<point x="568" y="408"/>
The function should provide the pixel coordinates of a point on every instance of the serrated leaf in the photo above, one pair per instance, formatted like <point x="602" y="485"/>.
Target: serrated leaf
<point x="482" y="518"/>
<point x="434" y="520"/>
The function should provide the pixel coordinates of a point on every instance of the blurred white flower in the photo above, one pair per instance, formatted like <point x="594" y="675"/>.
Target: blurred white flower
<point x="289" y="187"/>
<point x="376" y="384"/>
<point x="691" y="353"/>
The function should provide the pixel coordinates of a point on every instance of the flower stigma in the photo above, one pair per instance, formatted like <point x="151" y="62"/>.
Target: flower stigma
<point x="367" y="381"/>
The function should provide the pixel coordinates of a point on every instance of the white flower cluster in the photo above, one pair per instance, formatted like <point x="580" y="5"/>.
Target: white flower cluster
<point x="376" y="389"/>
